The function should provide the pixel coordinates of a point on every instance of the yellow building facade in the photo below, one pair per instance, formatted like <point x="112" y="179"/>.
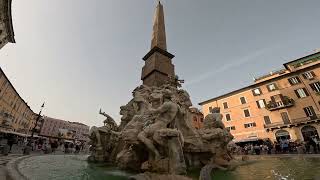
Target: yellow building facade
<point x="281" y="104"/>
<point x="15" y="114"/>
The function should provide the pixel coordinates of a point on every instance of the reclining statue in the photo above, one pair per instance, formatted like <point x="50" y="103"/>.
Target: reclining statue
<point x="166" y="113"/>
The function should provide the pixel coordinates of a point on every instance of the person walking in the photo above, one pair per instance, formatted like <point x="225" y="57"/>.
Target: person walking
<point x="314" y="144"/>
<point x="10" y="142"/>
<point x="66" y="150"/>
<point x="77" y="149"/>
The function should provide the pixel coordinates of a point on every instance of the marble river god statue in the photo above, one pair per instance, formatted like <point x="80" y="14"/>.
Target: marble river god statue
<point x="159" y="137"/>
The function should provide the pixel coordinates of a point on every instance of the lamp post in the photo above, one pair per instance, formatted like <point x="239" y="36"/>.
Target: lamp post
<point x="39" y="115"/>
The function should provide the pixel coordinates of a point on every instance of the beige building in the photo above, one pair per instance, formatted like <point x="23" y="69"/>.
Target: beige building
<point x="281" y="104"/>
<point x="6" y="27"/>
<point x="58" y="128"/>
<point x="15" y="114"/>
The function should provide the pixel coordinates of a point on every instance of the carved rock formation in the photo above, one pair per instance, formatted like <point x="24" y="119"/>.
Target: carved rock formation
<point x="155" y="134"/>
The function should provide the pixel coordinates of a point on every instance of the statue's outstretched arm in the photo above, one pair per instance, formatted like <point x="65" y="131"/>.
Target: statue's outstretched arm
<point x="109" y="117"/>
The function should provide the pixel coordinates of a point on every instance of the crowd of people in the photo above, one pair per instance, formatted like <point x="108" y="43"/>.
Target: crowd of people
<point x="38" y="144"/>
<point x="282" y="146"/>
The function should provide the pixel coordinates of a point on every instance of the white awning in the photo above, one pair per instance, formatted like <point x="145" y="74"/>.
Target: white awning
<point x="15" y="133"/>
<point x="246" y="140"/>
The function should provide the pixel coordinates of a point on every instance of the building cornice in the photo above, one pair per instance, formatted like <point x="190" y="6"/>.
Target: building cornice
<point x="14" y="89"/>
<point x="252" y="86"/>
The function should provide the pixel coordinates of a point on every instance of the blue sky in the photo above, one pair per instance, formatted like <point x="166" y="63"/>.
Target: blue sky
<point x="80" y="55"/>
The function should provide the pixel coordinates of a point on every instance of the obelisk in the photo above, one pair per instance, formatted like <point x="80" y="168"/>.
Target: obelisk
<point x="158" y="66"/>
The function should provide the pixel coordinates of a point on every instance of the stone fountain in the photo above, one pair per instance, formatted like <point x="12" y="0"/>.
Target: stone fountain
<point x="155" y="134"/>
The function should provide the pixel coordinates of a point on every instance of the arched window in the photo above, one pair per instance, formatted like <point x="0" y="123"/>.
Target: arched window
<point x="308" y="132"/>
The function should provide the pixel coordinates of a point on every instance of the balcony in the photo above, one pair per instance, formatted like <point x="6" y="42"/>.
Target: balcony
<point x="293" y="122"/>
<point x="284" y="103"/>
<point x="276" y="124"/>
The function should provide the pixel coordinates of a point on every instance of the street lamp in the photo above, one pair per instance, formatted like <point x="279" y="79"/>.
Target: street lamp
<point x="39" y="115"/>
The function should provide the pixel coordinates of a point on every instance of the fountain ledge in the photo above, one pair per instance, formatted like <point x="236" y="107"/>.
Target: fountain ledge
<point x="13" y="170"/>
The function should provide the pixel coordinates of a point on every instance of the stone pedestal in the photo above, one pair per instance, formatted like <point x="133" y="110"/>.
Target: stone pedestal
<point x="99" y="154"/>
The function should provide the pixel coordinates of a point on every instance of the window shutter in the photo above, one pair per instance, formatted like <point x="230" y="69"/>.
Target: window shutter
<point x="267" y="120"/>
<point x="273" y="99"/>
<point x="305" y="91"/>
<point x="225" y="105"/>
<point x="298" y="79"/>
<point x="253" y="92"/>
<point x="254" y="124"/>
<point x="313" y="74"/>
<point x="290" y="81"/>
<point x="312" y="110"/>
<point x="304" y="76"/>
<point x="243" y="100"/>
<point x="313" y="87"/>
<point x="306" y="111"/>
<point x="258" y="104"/>
<point x="298" y="95"/>
<point x="265" y="103"/>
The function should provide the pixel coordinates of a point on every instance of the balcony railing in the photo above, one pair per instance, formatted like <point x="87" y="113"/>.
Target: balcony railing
<point x="276" y="124"/>
<point x="292" y="122"/>
<point x="285" y="103"/>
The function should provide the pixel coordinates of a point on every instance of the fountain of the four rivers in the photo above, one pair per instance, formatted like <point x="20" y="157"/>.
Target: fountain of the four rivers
<point x="155" y="134"/>
<point x="155" y="139"/>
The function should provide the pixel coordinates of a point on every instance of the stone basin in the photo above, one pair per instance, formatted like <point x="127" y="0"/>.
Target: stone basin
<point x="74" y="167"/>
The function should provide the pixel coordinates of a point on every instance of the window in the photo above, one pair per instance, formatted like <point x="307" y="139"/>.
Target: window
<point x="285" y="117"/>
<point x="225" y="105"/>
<point x="315" y="86"/>
<point x="267" y="120"/>
<point x="261" y="103"/>
<point x="231" y="128"/>
<point x="309" y="111"/>
<point x="228" y="117"/>
<point x="308" y="75"/>
<point x="243" y="100"/>
<point x="294" y="80"/>
<point x="279" y="104"/>
<point x="301" y="93"/>
<point x="210" y="109"/>
<point x="271" y="87"/>
<point x="256" y="92"/>
<point x="250" y="125"/>
<point x="246" y="113"/>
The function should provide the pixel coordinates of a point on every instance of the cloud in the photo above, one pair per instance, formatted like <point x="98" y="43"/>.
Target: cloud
<point x="232" y="63"/>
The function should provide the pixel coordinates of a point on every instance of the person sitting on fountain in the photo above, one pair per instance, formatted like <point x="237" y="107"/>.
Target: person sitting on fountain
<point x="165" y="114"/>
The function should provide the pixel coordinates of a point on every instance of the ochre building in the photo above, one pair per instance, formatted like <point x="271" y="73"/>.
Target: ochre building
<point x="281" y="104"/>
<point x="197" y="118"/>
<point x="6" y="27"/>
<point x="15" y="114"/>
